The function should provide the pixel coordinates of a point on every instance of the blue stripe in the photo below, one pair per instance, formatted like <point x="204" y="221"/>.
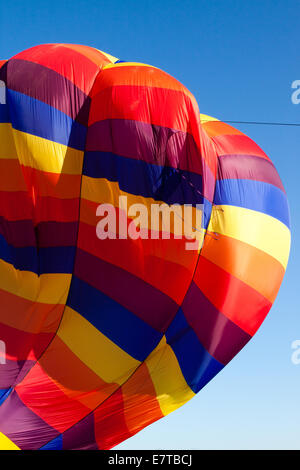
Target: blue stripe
<point x="56" y="259"/>
<point x="37" y="118"/>
<point x="254" y="195"/>
<point x="197" y="365"/>
<point x="167" y="184"/>
<point x="24" y="258"/>
<point x="3" y="113"/>
<point x="55" y="444"/>
<point x="4" y="392"/>
<point x="45" y="260"/>
<point x="120" y="325"/>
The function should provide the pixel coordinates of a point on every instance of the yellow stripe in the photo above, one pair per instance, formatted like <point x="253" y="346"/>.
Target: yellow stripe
<point x="128" y="64"/>
<point x="99" y="353"/>
<point x="7" y="147"/>
<point x="254" y="228"/>
<point x="6" y="443"/>
<point x="46" y="288"/>
<point x="110" y="57"/>
<point x="45" y="155"/>
<point x="171" y="388"/>
<point x="205" y="118"/>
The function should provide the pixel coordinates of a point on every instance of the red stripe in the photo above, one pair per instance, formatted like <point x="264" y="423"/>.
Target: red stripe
<point x="154" y="261"/>
<point x="110" y="425"/>
<point x="54" y="209"/>
<point x="160" y="106"/>
<point x="237" y="144"/>
<point x="59" y="185"/>
<point x="239" y="302"/>
<point x="21" y="345"/>
<point x="42" y="396"/>
<point x="17" y="206"/>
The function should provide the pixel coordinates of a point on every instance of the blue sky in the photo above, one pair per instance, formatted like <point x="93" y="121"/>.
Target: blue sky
<point x="239" y="59"/>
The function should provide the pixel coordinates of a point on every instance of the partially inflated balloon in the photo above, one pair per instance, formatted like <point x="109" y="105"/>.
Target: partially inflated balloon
<point x="103" y="335"/>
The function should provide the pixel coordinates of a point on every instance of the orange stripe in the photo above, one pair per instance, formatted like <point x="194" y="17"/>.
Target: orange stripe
<point x="138" y="75"/>
<point x="74" y="378"/>
<point x="141" y="407"/>
<point x="92" y="54"/>
<point x="12" y="178"/>
<point x="29" y="316"/>
<point x="215" y="128"/>
<point x="252" y="266"/>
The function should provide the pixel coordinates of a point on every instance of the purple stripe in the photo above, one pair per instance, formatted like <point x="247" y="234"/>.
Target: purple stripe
<point x="81" y="436"/>
<point x="44" y="84"/>
<point x="18" y="233"/>
<point x="248" y="167"/>
<point x="57" y="234"/>
<point x="12" y="372"/>
<point x="142" y="141"/>
<point x="152" y="306"/>
<point x="22" y="426"/>
<point x="21" y="233"/>
<point x="222" y="338"/>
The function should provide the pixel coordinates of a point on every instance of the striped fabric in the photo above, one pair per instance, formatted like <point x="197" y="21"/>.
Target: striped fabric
<point x="104" y="337"/>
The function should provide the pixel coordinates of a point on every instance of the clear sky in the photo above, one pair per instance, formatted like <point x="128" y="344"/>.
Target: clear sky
<point x="239" y="58"/>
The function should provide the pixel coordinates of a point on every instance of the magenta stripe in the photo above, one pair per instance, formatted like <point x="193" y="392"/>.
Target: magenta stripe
<point x="44" y="84"/>
<point x="22" y="233"/>
<point x="56" y="234"/>
<point x="248" y="167"/>
<point x="81" y="436"/>
<point x="152" y="306"/>
<point x="142" y="141"/>
<point x="23" y="426"/>
<point x="222" y="338"/>
<point x="152" y="144"/>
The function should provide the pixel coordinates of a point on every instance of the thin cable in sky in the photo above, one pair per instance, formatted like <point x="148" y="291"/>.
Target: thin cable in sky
<point x="295" y="124"/>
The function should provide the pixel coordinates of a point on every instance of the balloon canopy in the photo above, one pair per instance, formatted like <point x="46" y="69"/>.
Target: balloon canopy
<point x="101" y="336"/>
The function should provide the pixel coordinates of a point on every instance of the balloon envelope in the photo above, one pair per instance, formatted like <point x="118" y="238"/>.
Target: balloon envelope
<point x="102" y="336"/>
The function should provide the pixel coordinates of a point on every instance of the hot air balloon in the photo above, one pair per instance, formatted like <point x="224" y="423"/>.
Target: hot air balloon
<point x="100" y="337"/>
